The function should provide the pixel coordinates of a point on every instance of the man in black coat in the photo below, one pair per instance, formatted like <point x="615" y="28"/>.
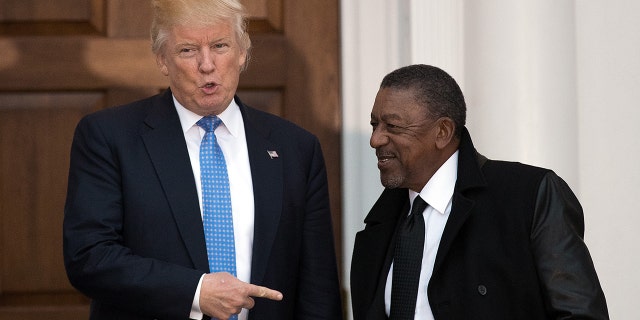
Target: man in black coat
<point x="501" y="240"/>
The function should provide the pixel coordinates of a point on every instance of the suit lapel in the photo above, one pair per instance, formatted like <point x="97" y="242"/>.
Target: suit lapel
<point x="267" y="176"/>
<point x="167" y="149"/>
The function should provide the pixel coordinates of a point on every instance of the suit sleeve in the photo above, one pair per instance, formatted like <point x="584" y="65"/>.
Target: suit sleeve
<point x="319" y="292"/>
<point x="97" y="261"/>
<point x="563" y="261"/>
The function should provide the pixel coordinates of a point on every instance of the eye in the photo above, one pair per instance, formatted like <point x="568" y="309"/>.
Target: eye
<point x="186" y="52"/>
<point x="220" y="46"/>
<point x="395" y="128"/>
<point x="391" y="127"/>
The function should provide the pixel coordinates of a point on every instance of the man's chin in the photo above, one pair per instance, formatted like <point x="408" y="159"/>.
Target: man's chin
<point x="390" y="182"/>
<point x="212" y="105"/>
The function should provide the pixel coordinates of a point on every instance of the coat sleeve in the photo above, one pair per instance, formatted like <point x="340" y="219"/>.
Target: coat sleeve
<point x="97" y="260"/>
<point x="565" y="267"/>
<point x="319" y="291"/>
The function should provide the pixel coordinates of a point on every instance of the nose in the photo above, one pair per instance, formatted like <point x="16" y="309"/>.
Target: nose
<point x="206" y="62"/>
<point x="378" y="138"/>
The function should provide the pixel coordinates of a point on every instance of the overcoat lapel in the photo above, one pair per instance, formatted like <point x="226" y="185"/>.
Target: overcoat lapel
<point x="373" y="245"/>
<point x="164" y="140"/>
<point x="268" y="185"/>
<point x="469" y="176"/>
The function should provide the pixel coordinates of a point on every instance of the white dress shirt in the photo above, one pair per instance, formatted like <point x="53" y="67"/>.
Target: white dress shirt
<point x="231" y="138"/>
<point x="438" y="193"/>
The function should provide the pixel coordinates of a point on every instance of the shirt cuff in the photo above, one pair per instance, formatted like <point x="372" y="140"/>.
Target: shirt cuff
<point x="196" y="313"/>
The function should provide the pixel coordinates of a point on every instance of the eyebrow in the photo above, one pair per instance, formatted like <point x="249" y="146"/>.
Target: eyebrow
<point x="182" y="44"/>
<point x="388" y="116"/>
<point x="188" y="43"/>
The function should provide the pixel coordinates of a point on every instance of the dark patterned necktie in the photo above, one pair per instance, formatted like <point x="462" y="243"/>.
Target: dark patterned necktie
<point x="407" y="262"/>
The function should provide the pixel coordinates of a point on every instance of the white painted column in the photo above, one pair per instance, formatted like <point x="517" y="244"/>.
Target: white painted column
<point x="379" y="36"/>
<point x="608" y="51"/>
<point x="437" y="35"/>
<point x="373" y="44"/>
<point x="520" y="82"/>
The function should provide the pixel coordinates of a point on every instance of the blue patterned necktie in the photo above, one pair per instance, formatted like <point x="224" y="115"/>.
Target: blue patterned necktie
<point x="216" y="201"/>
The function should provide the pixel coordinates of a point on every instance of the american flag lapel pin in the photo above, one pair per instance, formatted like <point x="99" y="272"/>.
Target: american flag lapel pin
<point x="272" y="154"/>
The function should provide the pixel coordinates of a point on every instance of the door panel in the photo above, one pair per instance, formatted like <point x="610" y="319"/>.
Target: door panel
<point x="63" y="59"/>
<point x="36" y="129"/>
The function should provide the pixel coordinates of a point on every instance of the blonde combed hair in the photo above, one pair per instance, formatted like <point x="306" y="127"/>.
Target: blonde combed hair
<point x="170" y="13"/>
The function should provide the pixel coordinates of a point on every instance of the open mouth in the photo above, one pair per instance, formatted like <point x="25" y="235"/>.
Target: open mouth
<point x="209" y="87"/>
<point x="383" y="158"/>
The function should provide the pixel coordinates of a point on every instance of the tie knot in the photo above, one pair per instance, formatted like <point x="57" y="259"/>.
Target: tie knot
<point x="418" y="206"/>
<point x="209" y="123"/>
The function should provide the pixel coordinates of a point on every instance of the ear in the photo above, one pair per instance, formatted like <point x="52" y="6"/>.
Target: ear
<point x="445" y="132"/>
<point x="162" y="64"/>
<point x="242" y="59"/>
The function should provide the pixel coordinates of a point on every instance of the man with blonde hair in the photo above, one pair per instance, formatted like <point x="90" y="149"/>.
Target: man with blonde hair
<point x="190" y="204"/>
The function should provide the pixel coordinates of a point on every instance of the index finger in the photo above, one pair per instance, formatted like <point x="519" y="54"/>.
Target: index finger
<point x="264" y="292"/>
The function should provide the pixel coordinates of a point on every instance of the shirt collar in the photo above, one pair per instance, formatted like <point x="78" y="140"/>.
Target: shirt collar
<point x="231" y="117"/>
<point x="439" y="190"/>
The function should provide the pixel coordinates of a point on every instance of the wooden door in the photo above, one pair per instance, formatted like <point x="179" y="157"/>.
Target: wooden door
<point x="60" y="60"/>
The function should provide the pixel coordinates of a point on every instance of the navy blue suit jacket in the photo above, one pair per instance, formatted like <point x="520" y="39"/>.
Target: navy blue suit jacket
<point x="133" y="234"/>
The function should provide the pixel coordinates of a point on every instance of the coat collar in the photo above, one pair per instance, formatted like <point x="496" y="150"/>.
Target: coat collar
<point x="470" y="163"/>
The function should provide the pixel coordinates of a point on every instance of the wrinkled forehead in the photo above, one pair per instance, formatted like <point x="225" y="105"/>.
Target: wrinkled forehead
<point x="214" y="31"/>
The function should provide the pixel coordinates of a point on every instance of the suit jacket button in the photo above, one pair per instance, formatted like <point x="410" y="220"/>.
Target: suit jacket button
<point x="482" y="290"/>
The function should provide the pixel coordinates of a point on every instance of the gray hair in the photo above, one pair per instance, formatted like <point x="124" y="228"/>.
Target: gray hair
<point x="434" y="89"/>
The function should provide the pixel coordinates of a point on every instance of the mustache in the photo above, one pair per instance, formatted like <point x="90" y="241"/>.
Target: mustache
<point x="384" y="154"/>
